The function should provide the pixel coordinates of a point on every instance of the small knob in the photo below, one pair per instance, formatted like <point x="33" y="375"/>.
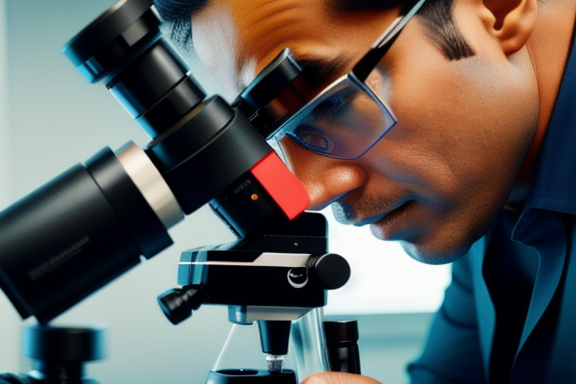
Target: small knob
<point x="332" y="270"/>
<point x="178" y="303"/>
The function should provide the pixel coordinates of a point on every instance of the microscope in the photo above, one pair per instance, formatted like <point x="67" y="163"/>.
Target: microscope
<point x="274" y="278"/>
<point x="96" y="220"/>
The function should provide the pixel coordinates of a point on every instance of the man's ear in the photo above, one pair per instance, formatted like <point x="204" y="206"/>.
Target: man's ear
<point x="514" y="22"/>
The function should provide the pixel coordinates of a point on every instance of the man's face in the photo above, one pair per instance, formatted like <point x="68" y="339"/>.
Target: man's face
<point x="438" y="179"/>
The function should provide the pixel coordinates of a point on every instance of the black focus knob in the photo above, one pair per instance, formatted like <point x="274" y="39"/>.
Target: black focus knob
<point x="178" y="304"/>
<point x="332" y="270"/>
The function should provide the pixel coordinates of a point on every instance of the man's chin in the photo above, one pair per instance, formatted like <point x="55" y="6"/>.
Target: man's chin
<point x="429" y="254"/>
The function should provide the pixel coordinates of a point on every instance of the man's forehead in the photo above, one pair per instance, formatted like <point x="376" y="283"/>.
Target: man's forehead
<point x="259" y="26"/>
<point x="237" y="39"/>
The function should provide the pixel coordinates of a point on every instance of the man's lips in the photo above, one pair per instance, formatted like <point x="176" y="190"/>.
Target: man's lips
<point x="377" y="218"/>
<point x="391" y="224"/>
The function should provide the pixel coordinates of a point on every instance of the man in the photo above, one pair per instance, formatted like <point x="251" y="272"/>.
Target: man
<point x="478" y="169"/>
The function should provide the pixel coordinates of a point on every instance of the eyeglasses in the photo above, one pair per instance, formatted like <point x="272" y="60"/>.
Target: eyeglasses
<point x="348" y="117"/>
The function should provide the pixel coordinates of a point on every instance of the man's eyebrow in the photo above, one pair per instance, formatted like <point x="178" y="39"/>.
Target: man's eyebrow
<point x="319" y="71"/>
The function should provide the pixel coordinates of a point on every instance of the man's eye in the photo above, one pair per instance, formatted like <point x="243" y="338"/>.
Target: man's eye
<point x="312" y="138"/>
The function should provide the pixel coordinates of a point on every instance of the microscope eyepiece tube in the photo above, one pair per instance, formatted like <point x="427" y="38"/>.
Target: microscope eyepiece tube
<point x="73" y="235"/>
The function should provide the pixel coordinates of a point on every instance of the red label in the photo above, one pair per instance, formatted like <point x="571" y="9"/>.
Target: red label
<point x="286" y="190"/>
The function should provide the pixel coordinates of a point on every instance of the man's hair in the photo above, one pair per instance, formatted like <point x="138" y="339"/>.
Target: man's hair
<point x="436" y="17"/>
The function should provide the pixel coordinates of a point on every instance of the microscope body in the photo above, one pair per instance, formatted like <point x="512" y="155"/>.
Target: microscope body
<point x="95" y="221"/>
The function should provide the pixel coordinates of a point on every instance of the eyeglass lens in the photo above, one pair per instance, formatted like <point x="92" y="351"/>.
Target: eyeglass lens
<point x="343" y="122"/>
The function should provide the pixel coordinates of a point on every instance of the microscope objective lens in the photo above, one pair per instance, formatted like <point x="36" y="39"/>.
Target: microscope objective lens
<point x="275" y="362"/>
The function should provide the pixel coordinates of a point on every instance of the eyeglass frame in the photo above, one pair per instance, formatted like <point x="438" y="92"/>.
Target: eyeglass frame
<point x="358" y="76"/>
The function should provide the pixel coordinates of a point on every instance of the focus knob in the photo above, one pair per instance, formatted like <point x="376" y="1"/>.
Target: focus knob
<point x="333" y="271"/>
<point x="178" y="304"/>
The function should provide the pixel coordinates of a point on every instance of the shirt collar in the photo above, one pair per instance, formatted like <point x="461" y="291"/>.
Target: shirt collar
<point x="554" y="184"/>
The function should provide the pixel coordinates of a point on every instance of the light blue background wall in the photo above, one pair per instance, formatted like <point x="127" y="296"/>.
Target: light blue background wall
<point x="50" y="119"/>
<point x="8" y="320"/>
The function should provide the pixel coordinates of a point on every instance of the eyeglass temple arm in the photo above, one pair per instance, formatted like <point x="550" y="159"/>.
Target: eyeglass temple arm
<point x="363" y="68"/>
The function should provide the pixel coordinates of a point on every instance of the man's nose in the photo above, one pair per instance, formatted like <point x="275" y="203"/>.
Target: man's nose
<point x="325" y="179"/>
